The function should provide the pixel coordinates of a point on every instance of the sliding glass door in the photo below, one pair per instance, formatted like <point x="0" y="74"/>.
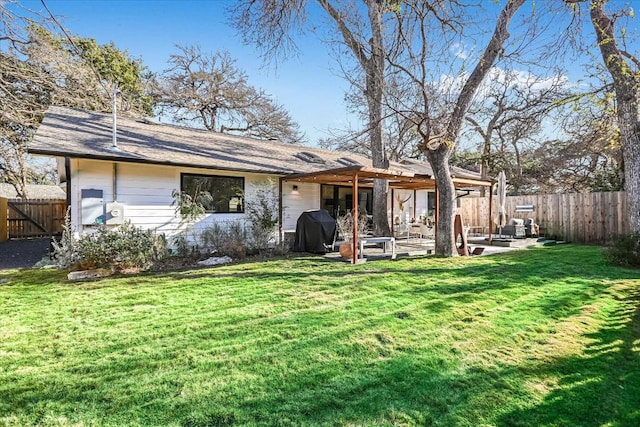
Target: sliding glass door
<point x="338" y="200"/>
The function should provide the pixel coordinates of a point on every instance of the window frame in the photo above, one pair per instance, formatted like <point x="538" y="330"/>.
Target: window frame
<point x="231" y="177"/>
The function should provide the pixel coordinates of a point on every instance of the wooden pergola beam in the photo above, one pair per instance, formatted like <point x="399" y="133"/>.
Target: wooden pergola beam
<point x="359" y="175"/>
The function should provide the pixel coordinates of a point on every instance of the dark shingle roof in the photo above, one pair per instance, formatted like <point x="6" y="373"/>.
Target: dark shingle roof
<point x="83" y="134"/>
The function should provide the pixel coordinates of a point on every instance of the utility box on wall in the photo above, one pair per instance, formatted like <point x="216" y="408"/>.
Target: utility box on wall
<point x="115" y="213"/>
<point x="92" y="205"/>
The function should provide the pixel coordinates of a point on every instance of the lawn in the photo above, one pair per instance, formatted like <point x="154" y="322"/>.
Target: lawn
<point x="543" y="337"/>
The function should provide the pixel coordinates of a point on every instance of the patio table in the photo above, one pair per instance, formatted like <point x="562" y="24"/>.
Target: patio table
<point x="385" y="240"/>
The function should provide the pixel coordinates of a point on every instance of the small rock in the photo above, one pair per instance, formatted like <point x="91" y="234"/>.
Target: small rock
<point x="215" y="261"/>
<point x="89" y="274"/>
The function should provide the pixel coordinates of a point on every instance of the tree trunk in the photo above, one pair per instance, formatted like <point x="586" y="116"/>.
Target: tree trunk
<point x="484" y="162"/>
<point x="631" y="153"/>
<point x="626" y="82"/>
<point x="378" y="156"/>
<point x="439" y="156"/>
<point x="373" y="67"/>
<point x="439" y="160"/>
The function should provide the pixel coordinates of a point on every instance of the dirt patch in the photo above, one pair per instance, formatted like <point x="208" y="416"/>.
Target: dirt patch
<point x="23" y="253"/>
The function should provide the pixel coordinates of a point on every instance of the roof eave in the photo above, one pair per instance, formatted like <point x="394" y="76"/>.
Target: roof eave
<point x="154" y="162"/>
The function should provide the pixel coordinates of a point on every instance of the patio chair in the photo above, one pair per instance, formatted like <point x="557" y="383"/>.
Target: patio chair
<point x="515" y="228"/>
<point x="404" y="230"/>
<point x="426" y="232"/>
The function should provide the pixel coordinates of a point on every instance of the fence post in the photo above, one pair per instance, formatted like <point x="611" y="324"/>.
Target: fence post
<point x="4" y="220"/>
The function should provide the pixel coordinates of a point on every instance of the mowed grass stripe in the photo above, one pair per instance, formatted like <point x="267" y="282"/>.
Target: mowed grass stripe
<point x="530" y="338"/>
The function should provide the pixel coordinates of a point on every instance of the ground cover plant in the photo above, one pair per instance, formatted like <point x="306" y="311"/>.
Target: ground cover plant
<point x="542" y="337"/>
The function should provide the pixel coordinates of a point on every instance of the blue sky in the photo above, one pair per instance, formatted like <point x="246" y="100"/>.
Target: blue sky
<point x="307" y="86"/>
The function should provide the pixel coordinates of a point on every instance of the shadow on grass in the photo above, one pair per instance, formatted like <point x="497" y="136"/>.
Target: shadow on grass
<point x="554" y="262"/>
<point x="366" y="381"/>
<point x="457" y="280"/>
<point x="600" y="387"/>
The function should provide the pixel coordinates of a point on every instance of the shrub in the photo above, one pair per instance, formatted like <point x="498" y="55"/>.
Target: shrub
<point x="65" y="252"/>
<point x="234" y="239"/>
<point x="213" y="237"/>
<point x="121" y="248"/>
<point x="625" y="250"/>
<point x="262" y="211"/>
<point x="230" y="240"/>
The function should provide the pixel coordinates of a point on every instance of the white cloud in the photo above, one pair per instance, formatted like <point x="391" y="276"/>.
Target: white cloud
<point x="459" y="50"/>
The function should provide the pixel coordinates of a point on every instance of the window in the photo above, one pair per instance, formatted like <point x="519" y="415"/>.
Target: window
<point x="226" y="192"/>
<point x="310" y="157"/>
<point x="348" y="162"/>
<point x="338" y="200"/>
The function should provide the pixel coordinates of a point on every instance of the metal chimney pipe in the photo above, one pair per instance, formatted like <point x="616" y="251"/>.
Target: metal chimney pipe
<point x="114" y="107"/>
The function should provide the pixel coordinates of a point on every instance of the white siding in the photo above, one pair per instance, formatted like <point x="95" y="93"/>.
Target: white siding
<point x="145" y="191"/>
<point x="294" y="202"/>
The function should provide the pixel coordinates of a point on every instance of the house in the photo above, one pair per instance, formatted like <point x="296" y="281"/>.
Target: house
<point x="34" y="191"/>
<point x="133" y="175"/>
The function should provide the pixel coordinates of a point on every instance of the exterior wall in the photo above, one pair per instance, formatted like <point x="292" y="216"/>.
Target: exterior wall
<point x="145" y="191"/>
<point x="294" y="202"/>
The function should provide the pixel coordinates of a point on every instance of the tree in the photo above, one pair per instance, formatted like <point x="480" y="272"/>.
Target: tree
<point x="590" y="157"/>
<point x="23" y="90"/>
<point x="86" y="74"/>
<point x="508" y="118"/>
<point x="401" y="139"/>
<point x="269" y="23"/>
<point x="624" y="68"/>
<point x="39" y="68"/>
<point x="580" y="154"/>
<point x="425" y="31"/>
<point x="212" y="91"/>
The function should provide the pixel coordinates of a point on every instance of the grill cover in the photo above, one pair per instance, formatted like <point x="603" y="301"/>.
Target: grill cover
<point x="314" y="230"/>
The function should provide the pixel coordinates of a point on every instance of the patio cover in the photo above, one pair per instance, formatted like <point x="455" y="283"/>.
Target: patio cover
<point x="359" y="175"/>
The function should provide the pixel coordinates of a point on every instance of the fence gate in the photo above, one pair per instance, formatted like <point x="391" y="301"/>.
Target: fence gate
<point x="31" y="218"/>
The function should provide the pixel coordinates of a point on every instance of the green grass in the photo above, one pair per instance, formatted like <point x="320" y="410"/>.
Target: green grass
<point x="542" y="337"/>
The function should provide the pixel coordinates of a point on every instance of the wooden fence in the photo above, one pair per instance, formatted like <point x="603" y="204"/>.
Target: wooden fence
<point x="579" y="217"/>
<point x="31" y="218"/>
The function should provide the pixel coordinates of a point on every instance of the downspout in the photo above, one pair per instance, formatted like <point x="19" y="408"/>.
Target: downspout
<point x="67" y="173"/>
<point x="115" y="182"/>
<point x="280" y="213"/>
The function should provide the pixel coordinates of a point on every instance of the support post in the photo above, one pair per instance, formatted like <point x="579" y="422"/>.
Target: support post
<point x="415" y="202"/>
<point x="393" y="219"/>
<point x="354" y="213"/>
<point x="490" y="211"/>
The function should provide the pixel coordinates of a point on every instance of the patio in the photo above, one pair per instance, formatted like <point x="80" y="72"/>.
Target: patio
<point x="414" y="247"/>
<point x="360" y="176"/>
